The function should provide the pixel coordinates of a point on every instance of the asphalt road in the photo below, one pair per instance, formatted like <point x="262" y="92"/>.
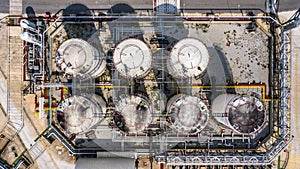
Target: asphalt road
<point x="4" y="6"/>
<point x="40" y="6"/>
<point x="285" y="5"/>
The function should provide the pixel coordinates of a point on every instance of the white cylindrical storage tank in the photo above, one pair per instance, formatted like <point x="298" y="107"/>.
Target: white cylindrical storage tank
<point x="133" y="114"/>
<point x="187" y="114"/>
<point x="78" y="57"/>
<point x="189" y="57"/>
<point x="243" y="114"/>
<point x="77" y="114"/>
<point x="132" y="58"/>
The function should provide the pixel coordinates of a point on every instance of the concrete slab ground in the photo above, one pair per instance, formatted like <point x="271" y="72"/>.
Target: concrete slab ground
<point x="3" y="65"/>
<point x="15" y="7"/>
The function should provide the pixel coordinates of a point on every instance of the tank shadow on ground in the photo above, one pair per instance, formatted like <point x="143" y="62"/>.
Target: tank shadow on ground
<point x="76" y="9"/>
<point x="30" y="12"/>
<point x="219" y="73"/>
<point x="121" y="8"/>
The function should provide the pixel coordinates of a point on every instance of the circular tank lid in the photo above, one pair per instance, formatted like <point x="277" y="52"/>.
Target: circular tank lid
<point x="188" y="114"/>
<point x="132" y="114"/>
<point x="132" y="58"/>
<point x="76" y="56"/>
<point x="77" y="114"/>
<point x="246" y="114"/>
<point x="189" y="58"/>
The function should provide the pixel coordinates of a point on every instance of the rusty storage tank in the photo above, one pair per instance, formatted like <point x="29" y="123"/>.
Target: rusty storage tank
<point x="187" y="114"/>
<point x="78" y="114"/>
<point x="242" y="113"/>
<point x="133" y="114"/>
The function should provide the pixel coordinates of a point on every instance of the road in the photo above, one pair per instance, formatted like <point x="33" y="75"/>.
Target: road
<point x="285" y="5"/>
<point x="40" y="6"/>
<point x="4" y="7"/>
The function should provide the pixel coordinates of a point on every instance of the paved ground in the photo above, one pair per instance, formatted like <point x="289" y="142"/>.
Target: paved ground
<point x="40" y="6"/>
<point x="4" y="7"/>
<point x="3" y="67"/>
<point x="15" y="7"/>
<point x="284" y="4"/>
<point x="294" y="160"/>
<point x="295" y="146"/>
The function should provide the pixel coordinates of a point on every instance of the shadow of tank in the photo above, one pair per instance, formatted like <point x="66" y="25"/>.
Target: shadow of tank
<point x="77" y="9"/>
<point x="121" y="8"/>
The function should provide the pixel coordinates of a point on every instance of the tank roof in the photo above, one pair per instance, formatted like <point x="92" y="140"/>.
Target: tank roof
<point x="132" y="58"/>
<point x="246" y="114"/>
<point x="77" y="114"/>
<point x="133" y="114"/>
<point x="76" y="56"/>
<point x="188" y="114"/>
<point x="189" y="58"/>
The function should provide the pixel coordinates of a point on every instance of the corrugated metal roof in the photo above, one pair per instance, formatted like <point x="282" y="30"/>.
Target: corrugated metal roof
<point x="105" y="163"/>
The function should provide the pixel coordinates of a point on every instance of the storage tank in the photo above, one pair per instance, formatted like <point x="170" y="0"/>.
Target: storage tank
<point x="132" y="58"/>
<point x="133" y="114"/>
<point x="243" y="114"/>
<point x="77" y="57"/>
<point x="189" y="57"/>
<point x="77" y="114"/>
<point x="187" y="114"/>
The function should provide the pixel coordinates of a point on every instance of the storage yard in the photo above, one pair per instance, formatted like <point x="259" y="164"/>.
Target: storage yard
<point x="198" y="90"/>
